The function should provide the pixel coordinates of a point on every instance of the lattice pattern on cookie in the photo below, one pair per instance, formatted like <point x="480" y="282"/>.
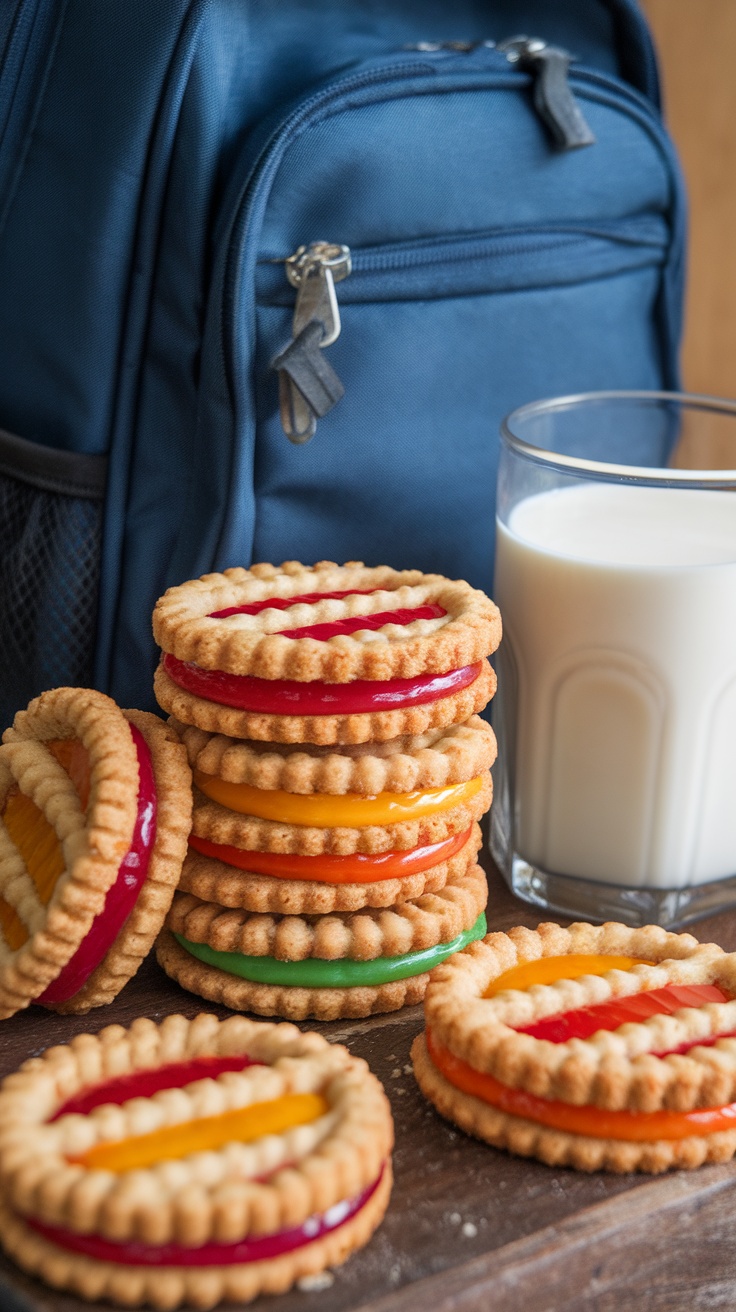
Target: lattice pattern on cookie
<point x="42" y="925"/>
<point x="429" y="760"/>
<point x="412" y="926"/>
<point x="616" y="1069"/>
<point x="336" y="1156"/>
<point x="187" y="623"/>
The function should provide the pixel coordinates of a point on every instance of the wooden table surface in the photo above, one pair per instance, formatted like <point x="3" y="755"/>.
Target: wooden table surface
<point x="469" y="1228"/>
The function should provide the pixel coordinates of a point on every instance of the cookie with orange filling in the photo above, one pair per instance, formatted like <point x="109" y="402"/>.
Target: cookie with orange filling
<point x="315" y="829"/>
<point x="95" y="809"/>
<point x="597" y="1047"/>
<point x="191" y="1162"/>
<point x="325" y="653"/>
<point x="324" y="966"/>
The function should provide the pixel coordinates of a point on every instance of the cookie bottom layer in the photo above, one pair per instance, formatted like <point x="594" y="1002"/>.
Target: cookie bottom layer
<point x="199" y="1287"/>
<point x="279" y="1000"/>
<point x="557" y="1147"/>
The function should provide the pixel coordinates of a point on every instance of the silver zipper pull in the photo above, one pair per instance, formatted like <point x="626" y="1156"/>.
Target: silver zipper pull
<point x="308" y="385"/>
<point x="553" y="97"/>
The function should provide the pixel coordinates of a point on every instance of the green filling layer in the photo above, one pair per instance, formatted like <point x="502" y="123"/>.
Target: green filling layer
<point x="343" y="974"/>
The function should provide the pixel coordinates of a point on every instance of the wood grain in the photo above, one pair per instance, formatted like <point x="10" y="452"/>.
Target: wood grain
<point x="696" y="40"/>
<point x="470" y="1228"/>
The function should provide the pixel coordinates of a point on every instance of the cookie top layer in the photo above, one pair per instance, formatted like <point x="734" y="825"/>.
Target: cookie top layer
<point x="50" y="1159"/>
<point x="415" y="623"/>
<point x="669" y="1061"/>
<point x="428" y="760"/>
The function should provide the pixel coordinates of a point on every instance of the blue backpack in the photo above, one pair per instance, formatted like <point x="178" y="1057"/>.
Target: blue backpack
<point x="196" y="197"/>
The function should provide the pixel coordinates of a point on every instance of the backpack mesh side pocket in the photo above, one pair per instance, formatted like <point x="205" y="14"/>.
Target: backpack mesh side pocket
<point x="50" y="538"/>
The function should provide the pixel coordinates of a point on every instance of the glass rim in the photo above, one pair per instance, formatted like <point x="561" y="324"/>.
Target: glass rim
<point x="655" y="475"/>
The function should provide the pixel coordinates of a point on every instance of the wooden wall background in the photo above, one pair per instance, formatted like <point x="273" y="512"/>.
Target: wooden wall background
<point x="697" y="48"/>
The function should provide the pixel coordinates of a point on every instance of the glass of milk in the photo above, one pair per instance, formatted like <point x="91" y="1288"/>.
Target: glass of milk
<point x="615" y="788"/>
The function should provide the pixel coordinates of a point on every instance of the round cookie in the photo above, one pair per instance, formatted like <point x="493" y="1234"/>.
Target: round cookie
<point x="324" y="654"/>
<point x="95" y="809"/>
<point x="327" y="966"/>
<point x="190" y="1162"/>
<point x="597" y="1047"/>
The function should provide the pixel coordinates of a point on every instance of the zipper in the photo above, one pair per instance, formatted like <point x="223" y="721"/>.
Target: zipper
<point x="309" y="387"/>
<point x="549" y="67"/>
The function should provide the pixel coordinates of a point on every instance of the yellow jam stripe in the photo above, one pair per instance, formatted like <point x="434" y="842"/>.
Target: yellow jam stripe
<point x="547" y="970"/>
<point x="206" y="1134"/>
<point x="329" y="811"/>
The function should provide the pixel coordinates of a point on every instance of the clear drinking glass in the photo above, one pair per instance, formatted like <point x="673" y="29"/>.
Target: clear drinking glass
<point x="615" y="787"/>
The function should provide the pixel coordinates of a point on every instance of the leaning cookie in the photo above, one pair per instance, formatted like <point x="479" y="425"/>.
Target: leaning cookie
<point x="597" y="1047"/>
<point x="323" y="966"/>
<point x="324" y="654"/>
<point x="95" y="809"/>
<point x="191" y="1162"/>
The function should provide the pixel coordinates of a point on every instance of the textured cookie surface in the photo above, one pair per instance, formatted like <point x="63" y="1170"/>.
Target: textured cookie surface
<point x="188" y="623"/>
<point x="256" y="1184"/>
<point x="212" y="880"/>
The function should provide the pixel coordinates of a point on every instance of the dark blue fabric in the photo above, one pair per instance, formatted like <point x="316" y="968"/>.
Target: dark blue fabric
<point x="155" y="157"/>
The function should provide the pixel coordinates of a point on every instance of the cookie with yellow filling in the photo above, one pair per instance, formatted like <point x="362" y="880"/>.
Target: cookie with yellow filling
<point x="324" y="654"/>
<point x="598" y="1047"/>
<point x="190" y="1162"/>
<point x="95" y="809"/>
<point x="326" y="966"/>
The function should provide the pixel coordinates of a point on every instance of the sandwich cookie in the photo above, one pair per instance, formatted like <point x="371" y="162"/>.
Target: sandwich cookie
<point x="325" y="653"/>
<point x="597" y="1047"/>
<point x="304" y="830"/>
<point x="95" y="809"/>
<point x="190" y="1162"/>
<point x="325" y="966"/>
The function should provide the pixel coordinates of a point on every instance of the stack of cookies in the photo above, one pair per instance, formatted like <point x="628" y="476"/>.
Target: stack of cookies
<point x="330" y="716"/>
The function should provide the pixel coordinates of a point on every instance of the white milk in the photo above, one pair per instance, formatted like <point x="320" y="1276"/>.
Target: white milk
<point x="619" y="608"/>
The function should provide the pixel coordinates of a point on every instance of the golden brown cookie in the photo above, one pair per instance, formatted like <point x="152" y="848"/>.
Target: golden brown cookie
<point x="95" y="809"/>
<point x="594" y="1046"/>
<point x="298" y="890"/>
<point x="190" y="1162"/>
<point x="319" y="978"/>
<point x="189" y="623"/>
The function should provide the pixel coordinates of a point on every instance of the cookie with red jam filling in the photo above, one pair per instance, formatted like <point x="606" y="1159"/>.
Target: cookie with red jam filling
<point x="191" y="1162"/>
<point x="308" y="829"/>
<point x="95" y="809"/>
<point x="597" y="1047"/>
<point x="325" y="653"/>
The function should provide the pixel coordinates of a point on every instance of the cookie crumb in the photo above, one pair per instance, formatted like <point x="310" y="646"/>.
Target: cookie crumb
<point x="315" y="1284"/>
<point x="396" y="1073"/>
<point x="470" y="1230"/>
<point x="454" y="1218"/>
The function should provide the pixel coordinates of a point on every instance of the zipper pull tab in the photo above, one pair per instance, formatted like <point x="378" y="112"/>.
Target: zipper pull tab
<point x="308" y="385"/>
<point x="553" y="98"/>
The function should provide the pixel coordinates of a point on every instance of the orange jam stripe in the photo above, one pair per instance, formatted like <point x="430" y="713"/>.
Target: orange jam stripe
<point x="329" y="810"/>
<point x="594" y="1122"/>
<point x="74" y="757"/>
<point x="206" y="1134"/>
<point x="36" y="841"/>
<point x="354" y="868"/>
<point x="14" y="931"/>
<point x="547" y="970"/>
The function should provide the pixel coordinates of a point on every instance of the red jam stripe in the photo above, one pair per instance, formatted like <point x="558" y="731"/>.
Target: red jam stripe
<point x="356" y="623"/>
<point x="283" y="603"/>
<point x="143" y="1084"/>
<point x="244" y="692"/>
<point x="595" y="1122"/>
<point x="259" y="1249"/>
<point x="585" y="1021"/>
<point x="122" y="896"/>
<point x="357" y="868"/>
